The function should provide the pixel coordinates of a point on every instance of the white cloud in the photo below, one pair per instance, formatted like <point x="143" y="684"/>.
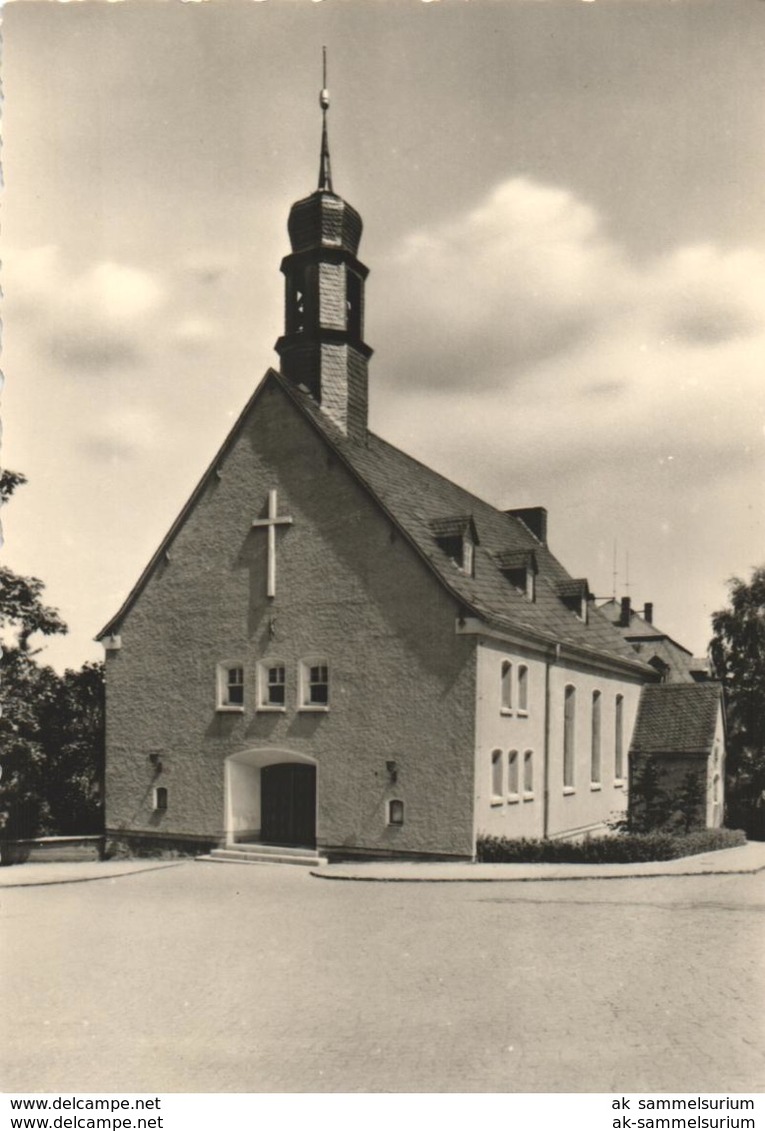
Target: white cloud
<point x="90" y="319"/>
<point x="536" y="334"/>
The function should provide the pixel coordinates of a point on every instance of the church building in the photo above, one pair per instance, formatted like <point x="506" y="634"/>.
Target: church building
<point x="335" y="649"/>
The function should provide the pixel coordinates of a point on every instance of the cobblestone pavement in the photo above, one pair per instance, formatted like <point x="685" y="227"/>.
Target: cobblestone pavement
<point x="210" y="978"/>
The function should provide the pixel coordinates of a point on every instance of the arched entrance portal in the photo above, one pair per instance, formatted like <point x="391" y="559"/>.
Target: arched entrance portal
<point x="270" y="798"/>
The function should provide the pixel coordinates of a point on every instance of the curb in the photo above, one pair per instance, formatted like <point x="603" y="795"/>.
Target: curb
<point x="90" y="879"/>
<point x="531" y="879"/>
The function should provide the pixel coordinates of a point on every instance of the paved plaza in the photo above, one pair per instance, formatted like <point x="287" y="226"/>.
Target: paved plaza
<point x="205" y="977"/>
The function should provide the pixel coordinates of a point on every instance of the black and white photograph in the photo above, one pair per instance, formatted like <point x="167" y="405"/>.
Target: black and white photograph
<point x="382" y="594"/>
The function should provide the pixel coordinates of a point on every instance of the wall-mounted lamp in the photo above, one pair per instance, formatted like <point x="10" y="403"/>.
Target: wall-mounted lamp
<point x="156" y="762"/>
<point x="392" y="768"/>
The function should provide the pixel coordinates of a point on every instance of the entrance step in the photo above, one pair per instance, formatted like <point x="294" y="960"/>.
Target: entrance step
<point x="264" y="854"/>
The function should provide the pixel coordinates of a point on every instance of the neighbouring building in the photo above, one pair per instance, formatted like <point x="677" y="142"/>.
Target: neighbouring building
<point x="677" y="754"/>
<point x="337" y="647"/>
<point x="672" y="662"/>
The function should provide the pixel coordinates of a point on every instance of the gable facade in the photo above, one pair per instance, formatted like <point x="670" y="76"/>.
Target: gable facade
<point x="350" y="596"/>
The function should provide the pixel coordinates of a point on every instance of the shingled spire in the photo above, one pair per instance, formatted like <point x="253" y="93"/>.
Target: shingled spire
<point x="322" y="348"/>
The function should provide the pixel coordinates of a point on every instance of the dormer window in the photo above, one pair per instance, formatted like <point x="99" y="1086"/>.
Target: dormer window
<point x="457" y="538"/>
<point x="520" y="568"/>
<point x="575" y="595"/>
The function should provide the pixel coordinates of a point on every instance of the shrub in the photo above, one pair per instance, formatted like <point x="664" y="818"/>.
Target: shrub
<point x="625" y="848"/>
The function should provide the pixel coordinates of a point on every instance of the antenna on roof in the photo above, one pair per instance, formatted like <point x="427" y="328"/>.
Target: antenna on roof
<point x="325" y="169"/>
<point x="627" y="572"/>
<point x="613" y="595"/>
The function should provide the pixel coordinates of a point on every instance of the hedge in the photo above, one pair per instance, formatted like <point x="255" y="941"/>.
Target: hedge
<point x="624" y="848"/>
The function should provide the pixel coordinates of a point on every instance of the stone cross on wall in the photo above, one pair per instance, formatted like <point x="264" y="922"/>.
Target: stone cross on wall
<point x="271" y="522"/>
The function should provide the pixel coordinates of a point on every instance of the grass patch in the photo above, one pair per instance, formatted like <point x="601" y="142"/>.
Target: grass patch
<point x="624" y="848"/>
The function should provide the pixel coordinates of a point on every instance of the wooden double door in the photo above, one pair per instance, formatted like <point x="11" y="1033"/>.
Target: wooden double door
<point x="288" y="804"/>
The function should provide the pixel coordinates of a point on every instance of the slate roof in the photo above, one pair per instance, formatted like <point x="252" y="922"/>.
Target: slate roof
<point x="419" y="501"/>
<point x="677" y="718"/>
<point x="416" y="497"/>
<point x="516" y="560"/>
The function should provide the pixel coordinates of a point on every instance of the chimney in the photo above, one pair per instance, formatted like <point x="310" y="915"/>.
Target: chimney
<point x="648" y="612"/>
<point x="534" y="519"/>
<point x="624" y="619"/>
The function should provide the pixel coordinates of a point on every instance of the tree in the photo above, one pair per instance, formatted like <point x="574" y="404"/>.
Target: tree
<point x="738" y="659"/>
<point x="51" y="727"/>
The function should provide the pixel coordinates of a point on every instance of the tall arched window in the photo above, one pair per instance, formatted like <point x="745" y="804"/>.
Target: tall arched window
<point x="507" y="686"/>
<point x="569" y="745"/>
<point x="528" y="774"/>
<point x="595" y="740"/>
<point x="497" y="792"/>
<point x="512" y="774"/>
<point x="619" y="738"/>
<point x="523" y="688"/>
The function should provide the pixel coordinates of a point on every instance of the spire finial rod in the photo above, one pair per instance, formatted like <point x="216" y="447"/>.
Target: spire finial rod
<point x="325" y="169"/>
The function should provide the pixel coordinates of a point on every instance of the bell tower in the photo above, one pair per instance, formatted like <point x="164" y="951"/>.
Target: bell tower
<point x="323" y="346"/>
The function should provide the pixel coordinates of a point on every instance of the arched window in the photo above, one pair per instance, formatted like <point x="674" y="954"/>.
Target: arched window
<point x="619" y="738"/>
<point x="569" y="744"/>
<point x="507" y="686"/>
<point x="160" y="799"/>
<point x="523" y="689"/>
<point x="595" y="740"/>
<point x="512" y="774"/>
<point x="528" y="774"/>
<point x="497" y="793"/>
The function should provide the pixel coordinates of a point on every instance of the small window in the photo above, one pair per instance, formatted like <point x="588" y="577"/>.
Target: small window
<point x="230" y="687"/>
<point x="512" y="774"/>
<point x="569" y="724"/>
<point x="497" y="792"/>
<point x="595" y="740"/>
<point x="314" y="685"/>
<point x="160" y="799"/>
<point x="460" y="549"/>
<point x="619" y="739"/>
<point x="395" y="812"/>
<point x="528" y="774"/>
<point x="523" y="689"/>
<point x="272" y="682"/>
<point x="507" y="687"/>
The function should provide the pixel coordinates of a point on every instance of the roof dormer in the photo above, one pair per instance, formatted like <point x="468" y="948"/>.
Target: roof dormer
<point x="575" y="595"/>
<point x="457" y="537"/>
<point x="520" y="568"/>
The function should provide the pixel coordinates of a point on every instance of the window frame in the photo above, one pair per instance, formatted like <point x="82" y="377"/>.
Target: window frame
<point x="506" y="697"/>
<point x="513" y="776"/>
<point x="619" y="761"/>
<point x="160" y="794"/>
<point x="569" y="739"/>
<point x="522" y="688"/>
<point x="398" y="802"/>
<point x="304" y="684"/>
<point x="497" y="779"/>
<point x="264" y="667"/>
<point x="528" y="778"/>
<point x="223" y="685"/>
<point x="596" y="743"/>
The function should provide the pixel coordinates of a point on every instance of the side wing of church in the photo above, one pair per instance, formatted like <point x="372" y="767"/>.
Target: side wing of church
<point x="337" y="648"/>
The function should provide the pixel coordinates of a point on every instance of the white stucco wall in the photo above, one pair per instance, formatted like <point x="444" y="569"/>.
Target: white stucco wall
<point x="585" y="805"/>
<point x="506" y="730"/>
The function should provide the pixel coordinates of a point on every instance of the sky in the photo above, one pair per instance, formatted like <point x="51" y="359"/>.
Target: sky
<point x="564" y="225"/>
